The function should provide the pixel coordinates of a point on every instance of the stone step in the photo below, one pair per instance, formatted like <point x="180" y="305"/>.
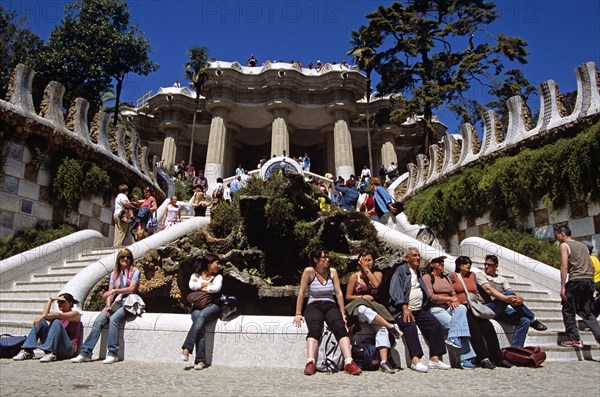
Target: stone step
<point x="20" y="315"/>
<point x="521" y="286"/>
<point x="63" y="277"/>
<point x="23" y="303"/>
<point x="38" y="285"/>
<point x="73" y="268"/>
<point x="80" y="262"/>
<point x="22" y="294"/>
<point x="534" y="303"/>
<point x="552" y="338"/>
<point x="534" y="293"/>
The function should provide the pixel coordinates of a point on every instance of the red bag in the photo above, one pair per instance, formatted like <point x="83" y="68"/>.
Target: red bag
<point x="529" y="356"/>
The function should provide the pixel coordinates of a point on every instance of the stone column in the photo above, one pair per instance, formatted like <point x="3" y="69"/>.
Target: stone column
<point x="215" y="154"/>
<point x="229" y="161"/>
<point x="280" y="137"/>
<point x="344" y="159"/>
<point x="169" y="151"/>
<point x="327" y="131"/>
<point x="388" y="150"/>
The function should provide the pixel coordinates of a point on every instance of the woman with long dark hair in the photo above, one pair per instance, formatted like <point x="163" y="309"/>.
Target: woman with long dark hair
<point x="206" y="278"/>
<point x="325" y="304"/>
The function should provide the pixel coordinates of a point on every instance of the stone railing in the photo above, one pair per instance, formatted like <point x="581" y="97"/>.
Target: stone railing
<point x="453" y="154"/>
<point x="116" y="150"/>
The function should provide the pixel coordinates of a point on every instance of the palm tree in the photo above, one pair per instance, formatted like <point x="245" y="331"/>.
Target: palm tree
<point x="108" y="98"/>
<point x="364" y="55"/>
<point x="196" y="70"/>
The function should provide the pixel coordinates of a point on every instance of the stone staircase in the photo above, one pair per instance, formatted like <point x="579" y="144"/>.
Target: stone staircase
<point x="20" y="304"/>
<point x="547" y="309"/>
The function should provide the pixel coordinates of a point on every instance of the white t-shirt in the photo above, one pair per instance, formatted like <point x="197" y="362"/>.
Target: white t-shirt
<point x="415" y="299"/>
<point x="119" y="200"/>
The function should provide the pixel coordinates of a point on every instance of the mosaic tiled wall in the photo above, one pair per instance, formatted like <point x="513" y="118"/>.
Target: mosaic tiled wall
<point x="24" y="199"/>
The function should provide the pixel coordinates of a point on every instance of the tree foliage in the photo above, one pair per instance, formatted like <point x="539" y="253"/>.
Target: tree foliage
<point x="92" y="44"/>
<point x="434" y="52"/>
<point x="17" y="45"/>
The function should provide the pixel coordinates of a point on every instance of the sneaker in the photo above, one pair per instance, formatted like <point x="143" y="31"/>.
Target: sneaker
<point x="352" y="369"/>
<point x="183" y="357"/>
<point x="48" y="358"/>
<point x="309" y="368"/>
<point x="81" y="359"/>
<point x="454" y="342"/>
<point x="23" y="355"/>
<point x="419" y="367"/>
<point x="487" y="364"/>
<point x="385" y="367"/>
<point x="577" y="344"/>
<point x="395" y="331"/>
<point x="504" y="364"/>
<point x="200" y="366"/>
<point x="110" y="360"/>
<point x="438" y="365"/>
<point x="467" y="364"/>
<point x="538" y="326"/>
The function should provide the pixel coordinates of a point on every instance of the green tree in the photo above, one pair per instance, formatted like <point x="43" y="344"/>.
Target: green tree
<point x="196" y="70"/>
<point x="365" y="56"/>
<point x="434" y="52"/>
<point x="17" y="45"/>
<point x="94" y="44"/>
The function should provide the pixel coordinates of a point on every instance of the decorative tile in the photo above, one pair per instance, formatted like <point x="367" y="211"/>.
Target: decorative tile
<point x="15" y="151"/>
<point x="84" y="221"/>
<point x="30" y="190"/>
<point x="96" y="211"/>
<point x="31" y="173"/>
<point x="11" y="184"/>
<point x="45" y="194"/>
<point x="6" y="219"/>
<point x="579" y="209"/>
<point x="9" y="202"/>
<point x="540" y="217"/>
<point x="14" y="168"/>
<point x="26" y="206"/>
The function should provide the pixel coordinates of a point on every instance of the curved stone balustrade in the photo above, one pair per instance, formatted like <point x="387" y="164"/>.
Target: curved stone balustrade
<point x="100" y="142"/>
<point x="552" y="119"/>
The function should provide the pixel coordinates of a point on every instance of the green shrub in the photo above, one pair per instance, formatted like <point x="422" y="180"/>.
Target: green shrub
<point x="97" y="181"/>
<point x="224" y="218"/>
<point x="509" y="188"/>
<point x="67" y="185"/>
<point x="525" y="244"/>
<point x="182" y="190"/>
<point x="31" y="238"/>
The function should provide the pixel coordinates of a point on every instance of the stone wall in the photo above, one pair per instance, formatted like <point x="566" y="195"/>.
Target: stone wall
<point x="25" y="198"/>
<point x="582" y="217"/>
<point x="25" y="191"/>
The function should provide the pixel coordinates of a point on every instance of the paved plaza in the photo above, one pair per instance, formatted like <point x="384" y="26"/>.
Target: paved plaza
<point x="130" y="378"/>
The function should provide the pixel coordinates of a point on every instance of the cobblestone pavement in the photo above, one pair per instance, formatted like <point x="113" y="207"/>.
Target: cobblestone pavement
<point x="129" y="378"/>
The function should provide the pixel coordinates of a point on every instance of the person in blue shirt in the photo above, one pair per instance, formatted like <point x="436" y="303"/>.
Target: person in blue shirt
<point x="349" y="195"/>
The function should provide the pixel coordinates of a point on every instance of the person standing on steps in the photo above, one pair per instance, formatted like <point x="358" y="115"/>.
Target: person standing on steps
<point x="576" y="287"/>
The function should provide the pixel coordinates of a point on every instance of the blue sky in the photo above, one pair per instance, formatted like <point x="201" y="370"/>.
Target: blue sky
<point x="561" y="34"/>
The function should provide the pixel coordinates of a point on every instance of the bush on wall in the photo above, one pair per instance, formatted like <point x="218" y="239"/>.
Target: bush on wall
<point x="509" y="189"/>
<point x="525" y="244"/>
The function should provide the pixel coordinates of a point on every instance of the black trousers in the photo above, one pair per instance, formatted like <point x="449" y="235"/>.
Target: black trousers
<point x="484" y="339"/>
<point x="319" y="311"/>
<point x="430" y="328"/>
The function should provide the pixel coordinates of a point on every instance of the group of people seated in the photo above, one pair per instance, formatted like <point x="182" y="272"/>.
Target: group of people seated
<point x="252" y="62"/>
<point x="434" y="302"/>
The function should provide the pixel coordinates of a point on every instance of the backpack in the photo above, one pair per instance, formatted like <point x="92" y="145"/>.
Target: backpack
<point x="10" y="345"/>
<point x="529" y="356"/>
<point x="366" y="356"/>
<point x="329" y="355"/>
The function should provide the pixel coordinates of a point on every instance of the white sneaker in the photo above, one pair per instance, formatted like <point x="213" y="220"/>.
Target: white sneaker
<point x="438" y="365"/>
<point x="183" y="357"/>
<point x="110" y="360"/>
<point x="200" y="366"/>
<point x="81" y="359"/>
<point x="23" y="355"/>
<point x="48" y="357"/>
<point x="419" y="367"/>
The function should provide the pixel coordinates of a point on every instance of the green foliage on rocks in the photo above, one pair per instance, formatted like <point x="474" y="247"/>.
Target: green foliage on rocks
<point x="32" y="237"/>
<point x="510" y="188"/>
<point x="525" y="244"/>
<point x="76" y="179"/>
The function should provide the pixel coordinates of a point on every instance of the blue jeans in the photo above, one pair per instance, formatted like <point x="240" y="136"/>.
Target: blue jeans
<point x="195" y="335"/>
<point x="455" y="322"/>
<point x="115" y="320"/>
<point x="53" y="338"/>
<point x="520" y="316"/>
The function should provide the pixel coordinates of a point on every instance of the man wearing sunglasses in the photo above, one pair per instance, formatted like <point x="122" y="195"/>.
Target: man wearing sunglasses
<point x="506" y="303"/>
